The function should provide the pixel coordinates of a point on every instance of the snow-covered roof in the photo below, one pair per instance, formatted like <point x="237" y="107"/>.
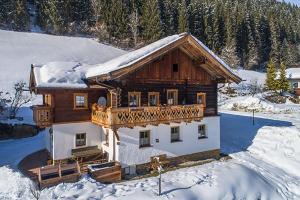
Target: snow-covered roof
<point x="131" y="57"/>
<point x="293" y="73"/>
<point x="61" y="74"/>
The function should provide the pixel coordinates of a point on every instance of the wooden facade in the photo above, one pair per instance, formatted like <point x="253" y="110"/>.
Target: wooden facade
<point x="61" y="109"/>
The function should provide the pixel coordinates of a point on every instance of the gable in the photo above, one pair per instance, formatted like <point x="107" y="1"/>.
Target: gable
<point x="199" y="53"/>
<point x="162" y="70"/>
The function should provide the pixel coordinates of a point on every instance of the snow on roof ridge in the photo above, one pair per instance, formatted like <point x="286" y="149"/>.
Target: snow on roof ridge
<point x="131" y="57"/>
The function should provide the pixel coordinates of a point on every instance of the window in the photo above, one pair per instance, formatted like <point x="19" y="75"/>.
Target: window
<point x="172" y="97"/>
<point x="106" y="138"/>
<point x="47" y="100"/>
<point x="153" y="98"/>
<point x="201" y="98"/>
<point x="134" y="99"/>
<point x="145" y="139"/>
<point x="175" y="68"/>
<point x="80" y="101"/>
<point x="202" y="131"/>
<point x="175" y="136"/>
<point x="80" y="139"/>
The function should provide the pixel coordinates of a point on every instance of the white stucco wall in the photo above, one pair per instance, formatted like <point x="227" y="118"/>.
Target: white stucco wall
<point x="131" y="154"/>
<point x="109" y="148"/>
<point x="64" y="137"/>
<point x="47" y="139"/>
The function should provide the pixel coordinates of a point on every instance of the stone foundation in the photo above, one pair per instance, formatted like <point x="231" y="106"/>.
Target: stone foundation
<point x="143" y="169"/>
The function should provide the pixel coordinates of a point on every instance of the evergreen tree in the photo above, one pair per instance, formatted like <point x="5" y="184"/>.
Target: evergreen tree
<point x="183" y="25"/>
<point x="151" y="21"/>
<point x="271" y="82"/>
<point x="283" y="84"/>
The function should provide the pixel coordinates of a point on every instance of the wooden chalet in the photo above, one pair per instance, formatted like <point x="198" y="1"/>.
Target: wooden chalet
<point x="127" y="104"/>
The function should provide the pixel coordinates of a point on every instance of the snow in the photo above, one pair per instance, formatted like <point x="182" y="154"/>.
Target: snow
<point x="249" y="77"/>
<point x="18" y="50"/>
<point x="293" y="73"/>
<point x="258" y="103"/>
<point x="61" y="74"/>
<point x="131" y="57"/>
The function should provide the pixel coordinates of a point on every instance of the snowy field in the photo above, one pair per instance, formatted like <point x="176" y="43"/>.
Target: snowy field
<point x="18" y="50"/>
<point x="265" y="165"/>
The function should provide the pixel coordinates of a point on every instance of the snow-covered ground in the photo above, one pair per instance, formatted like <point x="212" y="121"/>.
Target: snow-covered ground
<point x="265" y="165"/>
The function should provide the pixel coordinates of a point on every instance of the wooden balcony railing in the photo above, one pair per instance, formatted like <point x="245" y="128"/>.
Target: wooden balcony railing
<point x="142" y="116"/>
<point x="42" y="116"/>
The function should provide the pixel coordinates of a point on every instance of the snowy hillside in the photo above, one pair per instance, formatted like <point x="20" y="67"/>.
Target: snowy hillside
<point x="18" y="50"/>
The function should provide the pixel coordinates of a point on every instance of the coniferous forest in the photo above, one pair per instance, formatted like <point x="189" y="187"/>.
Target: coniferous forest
<point x="245" y="33"/>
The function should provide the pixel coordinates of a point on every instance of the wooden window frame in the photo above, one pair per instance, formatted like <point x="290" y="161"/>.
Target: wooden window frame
<point x="201" y="136"/>
<point x="48" y="100"/>
<point x="85" y="95"/>
<point x="176" y="96"/>
<point x="203" y="96"/>
<point x="156" y="94"/>
<point x="149" y="139"/>
<point x="79" y="146"/>
<point x="139" y="98"/>
<point x="177" y="140"/>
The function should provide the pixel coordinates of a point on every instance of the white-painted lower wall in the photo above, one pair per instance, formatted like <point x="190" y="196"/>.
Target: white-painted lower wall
<point x="128" y="151"/>
<point x="64" y="137"/>
<point x="131" y="154"/>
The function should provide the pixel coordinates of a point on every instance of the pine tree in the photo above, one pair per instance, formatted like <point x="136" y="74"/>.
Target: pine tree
<point x="283" y="84"/>
<point x="151" y="21"/>
<point x="20" y="15"/>
<point x="271" y="82"/>
<point x="182" y="21"/>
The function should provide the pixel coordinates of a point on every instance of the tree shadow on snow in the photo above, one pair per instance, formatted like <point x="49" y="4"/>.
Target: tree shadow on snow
<point x="238" y="131"/>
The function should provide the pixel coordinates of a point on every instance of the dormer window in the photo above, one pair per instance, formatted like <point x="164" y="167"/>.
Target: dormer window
<point x="80" y="101"/>
<point x="175" y="67"/>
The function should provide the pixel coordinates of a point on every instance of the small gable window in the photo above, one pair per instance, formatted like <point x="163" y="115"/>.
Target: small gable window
<point x="175" y="67"/>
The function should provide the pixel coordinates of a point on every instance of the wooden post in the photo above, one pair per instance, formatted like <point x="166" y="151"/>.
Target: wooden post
<point x="59" y="170"/>
<point x="114" y="145"/>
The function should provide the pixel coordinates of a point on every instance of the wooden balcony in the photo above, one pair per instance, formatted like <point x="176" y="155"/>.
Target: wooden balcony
<point x="142" y="116"/>
<point x="42" y="116"/>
